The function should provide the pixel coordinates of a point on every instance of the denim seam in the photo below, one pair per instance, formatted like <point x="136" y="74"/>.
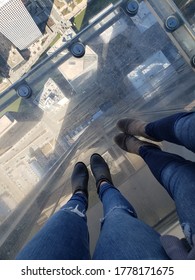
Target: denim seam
<point x="117" y="207"/>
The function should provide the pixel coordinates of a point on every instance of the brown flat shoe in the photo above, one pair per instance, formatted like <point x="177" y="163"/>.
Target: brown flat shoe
<point x="131" y="144"/>
<point x="134" y="127"/>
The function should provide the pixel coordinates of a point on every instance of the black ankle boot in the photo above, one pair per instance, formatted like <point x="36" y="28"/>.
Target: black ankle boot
<point x="79" y="178"/>
<point x="100" y="170"/>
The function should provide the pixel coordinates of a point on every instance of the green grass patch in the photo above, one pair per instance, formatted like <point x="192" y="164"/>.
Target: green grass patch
<point x="14" y="107"/>
<point x="78" y="20"/>
<point x="78" y="1"/>
<point x="65" y="12"/>
<point x="58" y="36"/>
<point x="93" y="8"/>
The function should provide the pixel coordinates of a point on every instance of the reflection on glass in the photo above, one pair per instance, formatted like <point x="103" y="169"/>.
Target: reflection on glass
<point x="187" y="8"/>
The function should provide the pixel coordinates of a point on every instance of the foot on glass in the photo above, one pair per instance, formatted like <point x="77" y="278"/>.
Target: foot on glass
<point x="134" y="127"/>
<point x="131" y="144"/>
<point x="79" y="178"/>
<point x="100" y="170"/>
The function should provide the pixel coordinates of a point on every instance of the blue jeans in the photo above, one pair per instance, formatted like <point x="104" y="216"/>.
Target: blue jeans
<point x="123" y="235"/>
<point x="176" y="174"/>
<point x="64" y="236"/>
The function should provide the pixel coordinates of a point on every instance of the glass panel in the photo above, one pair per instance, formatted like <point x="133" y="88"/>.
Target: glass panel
<point x="132" y="67"/>
<point x="188" y="10"/>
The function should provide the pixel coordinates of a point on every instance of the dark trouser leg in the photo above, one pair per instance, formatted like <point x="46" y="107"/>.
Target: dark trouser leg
<point x="177" y="176"/>
<point x="178" y="129"/>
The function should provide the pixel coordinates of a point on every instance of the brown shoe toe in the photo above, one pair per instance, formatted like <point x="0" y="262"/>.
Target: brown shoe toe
<point x="131" y="144"/>
<point x="134" y="127"/>
<point x="120" y="140"/>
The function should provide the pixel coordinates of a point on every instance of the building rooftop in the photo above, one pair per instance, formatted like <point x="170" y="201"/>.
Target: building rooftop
<point x="9" y="53"/>
<point x="132" y="67"/>
<point x="3" y="2"/>
<point x="6" y="122"/>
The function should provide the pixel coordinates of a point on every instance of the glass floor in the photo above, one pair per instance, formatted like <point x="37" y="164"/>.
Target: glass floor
<point x="132" y="67"/>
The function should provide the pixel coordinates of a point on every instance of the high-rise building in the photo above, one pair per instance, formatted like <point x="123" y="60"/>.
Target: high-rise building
<point x="17" y="24"/>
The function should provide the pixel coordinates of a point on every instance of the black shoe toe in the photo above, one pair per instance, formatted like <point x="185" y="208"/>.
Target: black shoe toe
<point x="100" y="170"/>
<point x="79" y="178"/>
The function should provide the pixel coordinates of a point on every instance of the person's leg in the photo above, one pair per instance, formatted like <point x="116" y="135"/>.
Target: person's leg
<point x="122" y="235"/>
<point x="64" y="236"/>
<point x="178" y="128"/>
<point x="177" y="176"/>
